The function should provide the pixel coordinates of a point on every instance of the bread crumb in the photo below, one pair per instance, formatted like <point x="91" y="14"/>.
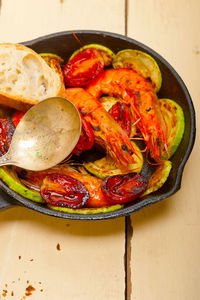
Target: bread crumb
<point x="29" y="290"/>
<point x="58" y="247"/>
<point x="20" y="257"/>
<point x="31" y="259"/>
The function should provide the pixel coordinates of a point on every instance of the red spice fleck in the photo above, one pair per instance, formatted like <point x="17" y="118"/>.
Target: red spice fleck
<point x="31" y="259"/>
<point x="67" y="225"/>
<point x="12" y="293"/>
<point x="29" y="290"/>
<point x="4" y="294"/>
<point x="20" y="257"/>
<point x="58" y="247"/>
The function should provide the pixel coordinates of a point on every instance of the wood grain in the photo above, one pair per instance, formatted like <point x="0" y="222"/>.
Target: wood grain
<point x="90" y="262"/>
<point x="166" y="236"/>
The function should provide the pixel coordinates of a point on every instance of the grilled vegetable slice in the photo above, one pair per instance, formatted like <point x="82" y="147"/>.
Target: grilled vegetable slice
<point x="108" y="103"/>
<point x="106" y="166"/>
<point x="158" y="178"/>
<point x="141" y="62"/>
<point x="17" y="117"/>
<point x="9" y="176"/>
<point x="86" y="211"/>
<point x="86" y="140"/>
<point x="105" y="52"/>
<point x="49" y="56"/>
<point x="7" y="129"/>
<point x="174" y="118"/>
<point x="63" y="190"/>
<point x="83" y="67"/>
<point x="124" y="188"/>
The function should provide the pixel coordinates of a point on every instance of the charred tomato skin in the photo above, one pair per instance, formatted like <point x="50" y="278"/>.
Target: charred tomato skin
<point x="17" y="117"/>
<point x="86" y="140"/>
<point x="64" y="191"/>
<point x="83" y="68"/>
<point x="121" y="114"/>
<point x="7" y="129"/>
<point x="124" y="188"/>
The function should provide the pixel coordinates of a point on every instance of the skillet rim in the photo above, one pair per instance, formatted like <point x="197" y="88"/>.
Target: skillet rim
<point x="16" y="199"/>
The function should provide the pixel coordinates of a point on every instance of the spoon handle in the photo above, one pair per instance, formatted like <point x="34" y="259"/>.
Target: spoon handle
<point x="6" y="160"/>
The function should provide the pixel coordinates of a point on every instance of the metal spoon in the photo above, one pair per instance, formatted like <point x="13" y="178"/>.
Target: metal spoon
<point x="46" y="135"/>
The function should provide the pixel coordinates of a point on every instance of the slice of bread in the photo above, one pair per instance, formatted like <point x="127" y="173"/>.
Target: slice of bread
<point x="25" y="78"/>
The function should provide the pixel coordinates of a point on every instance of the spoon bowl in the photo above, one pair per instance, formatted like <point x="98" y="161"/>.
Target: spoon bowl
<point x="45" y="135"/>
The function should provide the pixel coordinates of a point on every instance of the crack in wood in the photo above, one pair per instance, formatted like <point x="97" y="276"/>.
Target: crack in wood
<point x="126" y="16"/>
<point x="127" y="257"/>
<point x="128" y="226"/>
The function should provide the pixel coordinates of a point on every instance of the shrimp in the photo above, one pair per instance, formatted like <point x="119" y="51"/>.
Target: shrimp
<point x="138" y="93"/>
<point x="107" y="132"/>
<point x="34" y="180"/>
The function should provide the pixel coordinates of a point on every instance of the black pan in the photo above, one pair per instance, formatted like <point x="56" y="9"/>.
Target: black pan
<point x="63" y="44"/>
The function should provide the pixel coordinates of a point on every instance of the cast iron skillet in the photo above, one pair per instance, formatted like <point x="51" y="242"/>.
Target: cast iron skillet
<point x="63" y="44"/>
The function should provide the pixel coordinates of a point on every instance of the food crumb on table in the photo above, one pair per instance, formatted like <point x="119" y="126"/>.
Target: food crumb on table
<point x="58" y="247"/>
<point x="29" y="290"/>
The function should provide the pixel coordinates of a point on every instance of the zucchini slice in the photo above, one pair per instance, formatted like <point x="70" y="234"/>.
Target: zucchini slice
<point x="174" y="118"/>
<point x="108" y="102"/>
<point x="141" y="62"/>
<point x="106" y="53"/>
<point x="9" y="176"/>
<point x="106" y="167"/>
<point x="158" y="178"/>
<point x="49" y="56"/>
<point x="86" y="211"/>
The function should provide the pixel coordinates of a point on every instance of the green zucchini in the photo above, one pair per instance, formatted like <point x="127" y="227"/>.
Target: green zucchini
<point x="174" y="118"/>
<point x="158" y="178"/>
<point x="86" y="211"/>
<point x="48" y="56"/>
<point x="141" y="62"/>
<point x="9" y="176"/>
<point x="106" y="53"/>
<point x="106" y="166"/>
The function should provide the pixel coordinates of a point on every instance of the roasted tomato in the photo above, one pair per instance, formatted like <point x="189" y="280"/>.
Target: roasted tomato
<point x="7" y="129"/>
<point x="17" y="117"/>
<point x="121" y="114"/>
<point x="86" y="140"/>
<point x="63" y="190"/>
<point x="83" y="67"/>
<point x="124" y="188"/>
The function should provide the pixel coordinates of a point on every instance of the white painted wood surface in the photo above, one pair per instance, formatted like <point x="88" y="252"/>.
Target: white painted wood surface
<point x="166" y="237"/>
<point x="90" y="264"/>
<point x="165" y="261"/>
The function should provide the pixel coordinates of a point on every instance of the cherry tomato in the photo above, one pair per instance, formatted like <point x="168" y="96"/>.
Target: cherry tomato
<point x="7" y="129"/>
<point x="123" y="188"/>
<point x="17" y="117"/>
<point x="63" y="190"/>
<point x="121" y="114"/>
<point x="84" y="67"/>
<point x="86" y="140"/>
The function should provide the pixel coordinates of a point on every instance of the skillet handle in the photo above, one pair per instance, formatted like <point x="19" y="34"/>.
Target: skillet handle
<point x="5" y="201"/>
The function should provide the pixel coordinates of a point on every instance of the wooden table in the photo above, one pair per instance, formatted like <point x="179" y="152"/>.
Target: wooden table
<point x="152" y="255"/>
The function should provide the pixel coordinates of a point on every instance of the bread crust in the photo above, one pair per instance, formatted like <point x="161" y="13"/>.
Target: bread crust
<point x="22" y="102"/>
